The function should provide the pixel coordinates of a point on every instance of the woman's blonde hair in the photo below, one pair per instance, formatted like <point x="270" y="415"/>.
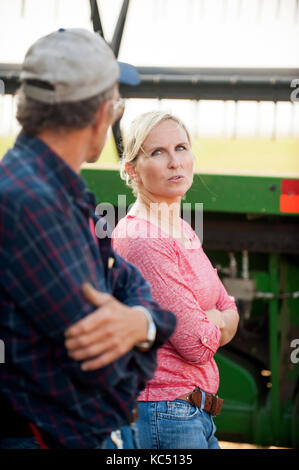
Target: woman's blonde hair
<point x="136" y="135"/>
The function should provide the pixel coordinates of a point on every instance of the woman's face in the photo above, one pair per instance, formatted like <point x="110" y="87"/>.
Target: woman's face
<point x="164" y="169"/>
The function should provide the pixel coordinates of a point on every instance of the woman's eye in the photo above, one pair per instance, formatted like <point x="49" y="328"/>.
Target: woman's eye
<point x="180" y="147"/>
<point x="156" y="152"/>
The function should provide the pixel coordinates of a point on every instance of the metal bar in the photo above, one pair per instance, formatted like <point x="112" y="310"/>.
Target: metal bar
<point x="224" y="72"/>
<point x="118" y="138"/>
<point x="199" y="84"/>
<point x="230" y="233"/>
<point x="115" y="45"/>
<point x="273" y="344"/>
<point x="213" y="84"/>
<point x="283" y="295"/>
<point x="95" y="17"/>
<point x="117" y="36"/>
<point x="119" y="29"/>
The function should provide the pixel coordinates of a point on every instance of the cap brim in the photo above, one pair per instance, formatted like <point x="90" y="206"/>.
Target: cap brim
<point x="128" y="74"/>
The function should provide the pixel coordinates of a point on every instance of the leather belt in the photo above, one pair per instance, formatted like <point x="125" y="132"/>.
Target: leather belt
<point x="213" y="403"/>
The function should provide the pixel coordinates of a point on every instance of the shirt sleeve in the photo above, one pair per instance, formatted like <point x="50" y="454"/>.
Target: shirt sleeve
<point x="196" y="339"/>
<point x="44" y="272"/>
<point x="225" y="301"/>
<point x="132" y="289"/>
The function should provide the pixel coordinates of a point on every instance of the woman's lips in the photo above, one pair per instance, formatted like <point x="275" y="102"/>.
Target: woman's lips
<point x="176" y="178"/>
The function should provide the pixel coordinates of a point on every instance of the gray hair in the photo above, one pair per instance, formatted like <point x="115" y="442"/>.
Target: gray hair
<point x="35" y="116"/>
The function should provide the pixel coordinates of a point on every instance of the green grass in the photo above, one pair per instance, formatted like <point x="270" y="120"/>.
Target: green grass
<point x="265" y="156"/>
<point x="217" y="155"/>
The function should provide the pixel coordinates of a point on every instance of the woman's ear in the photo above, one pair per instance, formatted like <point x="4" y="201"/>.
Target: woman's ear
<point x="131" y="171"/>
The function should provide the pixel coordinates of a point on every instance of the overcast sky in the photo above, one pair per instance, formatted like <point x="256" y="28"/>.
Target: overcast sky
<point x="240" y="33"/>
<point x="195" y="33"/>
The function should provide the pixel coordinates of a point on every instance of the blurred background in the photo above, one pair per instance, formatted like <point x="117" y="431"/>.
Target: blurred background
<point x="228" y="135"/>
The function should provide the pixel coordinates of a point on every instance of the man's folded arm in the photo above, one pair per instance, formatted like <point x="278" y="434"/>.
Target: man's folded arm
<point x="132" y="290"/>
<point x="43" y="275"/>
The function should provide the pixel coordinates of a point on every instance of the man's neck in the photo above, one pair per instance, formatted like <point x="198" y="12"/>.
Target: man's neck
<point x="70" y="146"/>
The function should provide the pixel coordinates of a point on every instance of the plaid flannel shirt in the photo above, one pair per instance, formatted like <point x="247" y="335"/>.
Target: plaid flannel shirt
<point x="46" y="252"/>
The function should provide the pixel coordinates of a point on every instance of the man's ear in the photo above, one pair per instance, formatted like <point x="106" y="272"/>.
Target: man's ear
<point x="102" y="117"/>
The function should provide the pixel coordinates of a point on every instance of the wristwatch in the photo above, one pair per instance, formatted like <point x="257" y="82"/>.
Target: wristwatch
<point x="151" y="331"/>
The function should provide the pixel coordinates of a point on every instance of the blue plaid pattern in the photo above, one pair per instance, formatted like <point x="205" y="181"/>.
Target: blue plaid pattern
<point x="46" y="252"/>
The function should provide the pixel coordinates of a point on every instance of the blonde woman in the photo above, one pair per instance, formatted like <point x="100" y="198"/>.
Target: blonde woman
<point x="176" y="408"/>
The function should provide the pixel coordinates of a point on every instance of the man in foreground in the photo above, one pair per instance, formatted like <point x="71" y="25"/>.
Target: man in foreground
<point x="53" y="269"/>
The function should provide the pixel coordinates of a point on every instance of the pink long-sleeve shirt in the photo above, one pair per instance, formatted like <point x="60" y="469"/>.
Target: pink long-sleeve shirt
<point x="184" y="281"/>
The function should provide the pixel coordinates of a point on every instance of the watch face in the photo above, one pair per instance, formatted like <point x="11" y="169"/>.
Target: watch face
<point x="151" y="334"/>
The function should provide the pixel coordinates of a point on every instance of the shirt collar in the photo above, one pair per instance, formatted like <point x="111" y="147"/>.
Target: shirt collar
<point x="54" y="169"/>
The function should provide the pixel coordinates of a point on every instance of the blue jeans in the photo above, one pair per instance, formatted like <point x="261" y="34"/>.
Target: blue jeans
<point x="175" y="425"/>
<point x="125" y="438"/>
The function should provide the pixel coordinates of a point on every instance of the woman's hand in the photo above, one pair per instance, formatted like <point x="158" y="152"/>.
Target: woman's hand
<point x="227" y="321"/>
<point x="215" y="317"/>
<point x="231" y="320"/>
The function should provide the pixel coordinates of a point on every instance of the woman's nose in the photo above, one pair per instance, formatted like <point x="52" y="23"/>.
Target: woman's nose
<point x="173" y="160"/>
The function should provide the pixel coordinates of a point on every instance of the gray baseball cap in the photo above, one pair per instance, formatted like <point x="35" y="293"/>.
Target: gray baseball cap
<point x="76" y="64"/>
